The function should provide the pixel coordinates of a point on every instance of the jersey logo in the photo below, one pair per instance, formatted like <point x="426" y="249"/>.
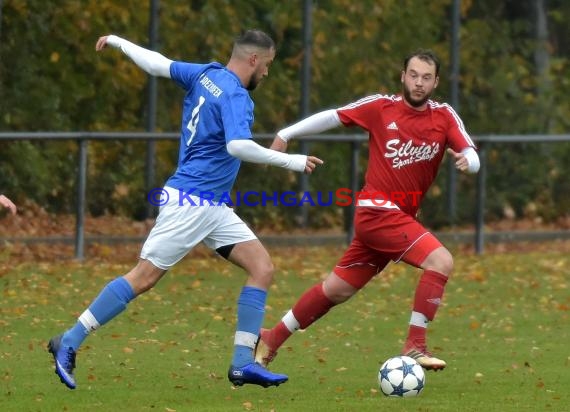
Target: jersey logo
<point x="405" y="153"/>
<point x="392" y="126"/>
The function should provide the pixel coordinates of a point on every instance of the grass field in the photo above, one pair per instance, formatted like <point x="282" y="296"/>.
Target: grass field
<point x="503" y="328"/>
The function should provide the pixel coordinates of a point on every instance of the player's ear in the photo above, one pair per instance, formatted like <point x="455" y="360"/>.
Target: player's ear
<point x="402" y="76"/>
<point x="436" y="82"/>
<point x="252" y="59"/>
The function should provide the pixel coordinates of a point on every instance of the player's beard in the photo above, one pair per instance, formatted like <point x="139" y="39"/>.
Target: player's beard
<point x="414" y="102"/>
<point x="253" y="82"/>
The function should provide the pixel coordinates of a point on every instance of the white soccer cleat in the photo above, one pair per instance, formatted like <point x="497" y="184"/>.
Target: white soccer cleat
<point x="262" y="353"/>
<point x="425" y="359"/>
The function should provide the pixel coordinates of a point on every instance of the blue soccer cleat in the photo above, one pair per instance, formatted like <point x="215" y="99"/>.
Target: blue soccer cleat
<point x="255" y="374"/>
<point x="64" y="361"/>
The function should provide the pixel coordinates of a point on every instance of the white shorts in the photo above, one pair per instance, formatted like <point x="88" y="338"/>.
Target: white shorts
<point x="179" y="228"/>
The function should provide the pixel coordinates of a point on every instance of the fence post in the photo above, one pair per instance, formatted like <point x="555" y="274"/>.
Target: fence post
<point x="480" y="202"/>
<point x="81" y="191"/>
<point x="305" y="98"/>
<point x="454" y="89"/>
<point x="354" y="186"/>
<point x="150" y="163"/>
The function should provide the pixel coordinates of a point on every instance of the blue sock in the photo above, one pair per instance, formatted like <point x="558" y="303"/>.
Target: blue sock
<point x="111" y="301"/>
<point x="250" y="312"/>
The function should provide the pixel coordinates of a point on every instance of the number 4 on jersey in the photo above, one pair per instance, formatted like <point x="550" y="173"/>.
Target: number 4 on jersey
<point x="194" y="120"/>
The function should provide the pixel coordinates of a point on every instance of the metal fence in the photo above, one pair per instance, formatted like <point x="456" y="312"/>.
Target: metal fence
<point x="355" y="140"/>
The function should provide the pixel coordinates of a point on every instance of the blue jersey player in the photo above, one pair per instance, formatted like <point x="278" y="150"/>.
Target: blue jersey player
<point x="215" y="137"/>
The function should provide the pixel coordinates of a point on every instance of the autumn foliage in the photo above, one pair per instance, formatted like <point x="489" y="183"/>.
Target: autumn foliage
<point x="514" y="71"/>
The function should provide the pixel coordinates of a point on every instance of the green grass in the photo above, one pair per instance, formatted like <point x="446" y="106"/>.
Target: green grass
<point x="503" y="328"/>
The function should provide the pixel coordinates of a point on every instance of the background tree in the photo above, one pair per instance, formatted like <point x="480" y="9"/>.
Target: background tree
<point x="515" y="78"/>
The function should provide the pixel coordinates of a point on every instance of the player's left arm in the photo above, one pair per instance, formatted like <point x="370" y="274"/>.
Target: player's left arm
<point x="461" y="146"/>
<point x="150" y="61"/>
<point x="467" y="160"/>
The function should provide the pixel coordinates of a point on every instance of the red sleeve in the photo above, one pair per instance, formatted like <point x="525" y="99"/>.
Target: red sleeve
<point x="362" y="112"/>
<point x="457" y="137"/>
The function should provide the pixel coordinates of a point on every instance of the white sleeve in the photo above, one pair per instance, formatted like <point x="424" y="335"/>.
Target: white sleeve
<point x="472" y="159"/>
<point x="249" y="151"/>
<point x="314" y="124"/>
<point x="150" y="61"/>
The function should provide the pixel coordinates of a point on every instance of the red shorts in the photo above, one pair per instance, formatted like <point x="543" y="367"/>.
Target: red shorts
<point x="382" y="235"/>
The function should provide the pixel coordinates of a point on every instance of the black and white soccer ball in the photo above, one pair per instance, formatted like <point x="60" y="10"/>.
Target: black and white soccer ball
<point x="401" y="376"/>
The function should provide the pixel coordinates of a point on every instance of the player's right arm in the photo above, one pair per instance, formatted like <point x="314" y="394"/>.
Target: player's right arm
<point x="317" y="123"/>
<point x="249" y="151"/>
<point x="150" y="61"/>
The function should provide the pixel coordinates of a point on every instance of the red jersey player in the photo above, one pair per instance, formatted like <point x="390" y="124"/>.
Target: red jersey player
<point x="407" y="137"/>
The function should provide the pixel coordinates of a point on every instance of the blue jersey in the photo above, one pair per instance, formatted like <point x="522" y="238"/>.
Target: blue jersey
<point x="217" y="109"/>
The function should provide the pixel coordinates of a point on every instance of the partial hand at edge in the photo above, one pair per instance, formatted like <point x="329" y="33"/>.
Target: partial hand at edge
<point x="312" y="163"/>
<point x="279" y="145"/>
<point x="461" y="162"/>
<point x="7" y="203"/>
<point x="101" y="43"/>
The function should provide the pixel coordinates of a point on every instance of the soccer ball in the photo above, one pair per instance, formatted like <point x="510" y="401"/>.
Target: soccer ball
<point x="401" y="376"/>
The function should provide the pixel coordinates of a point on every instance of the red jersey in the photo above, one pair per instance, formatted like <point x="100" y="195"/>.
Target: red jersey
<point x="406" y="146"/>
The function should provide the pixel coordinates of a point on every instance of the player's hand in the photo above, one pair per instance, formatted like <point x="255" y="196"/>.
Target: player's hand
<point x="7" y="203"/>
<point x="279" y="144"/>
<point x="101" y="43"/>
<point x="312" y="162"/>
<point x="461" y="162"/>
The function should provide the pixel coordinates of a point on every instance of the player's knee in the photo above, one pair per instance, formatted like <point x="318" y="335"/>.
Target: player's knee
<point x="144" y="284"/>
<point x="263" y="272"/>
<point x="340" y="296"/>
<point x="338" y="290"/>
<point x="268" y="269"/>
<point x="443" y="262"/>
<point x="440" y="260"/>
<point x="447" y="263"/>
<point x="144" y="277"/>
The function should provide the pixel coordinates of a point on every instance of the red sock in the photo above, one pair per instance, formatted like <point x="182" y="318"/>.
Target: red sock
<point x="429" y="293"/>
<point x="416" y="338"/>
<point x="311" y="306"/>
